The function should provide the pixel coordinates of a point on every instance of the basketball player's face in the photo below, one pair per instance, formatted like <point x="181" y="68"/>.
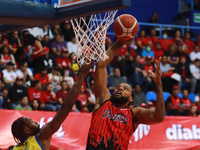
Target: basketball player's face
<point x="121" y="93"/>
<point x="33" y="126"/>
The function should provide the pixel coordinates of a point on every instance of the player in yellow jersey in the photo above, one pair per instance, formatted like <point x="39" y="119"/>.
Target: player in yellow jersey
<point x="28" y="134"/>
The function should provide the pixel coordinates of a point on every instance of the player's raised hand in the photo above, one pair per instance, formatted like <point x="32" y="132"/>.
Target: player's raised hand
<point x="157" y="75"/>
<point x="85" y="68"/>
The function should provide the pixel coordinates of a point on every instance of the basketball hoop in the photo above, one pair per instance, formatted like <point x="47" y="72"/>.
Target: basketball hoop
<point x="91" y="35"/>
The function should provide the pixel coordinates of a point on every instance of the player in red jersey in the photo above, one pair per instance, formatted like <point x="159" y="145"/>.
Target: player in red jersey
<point x="113" y="123"/>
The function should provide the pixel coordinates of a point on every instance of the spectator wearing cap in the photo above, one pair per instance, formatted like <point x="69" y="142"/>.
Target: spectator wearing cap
<point x="43" y="77"/>
<point x="173" y="102"/>
<point x="183" y="69"/>
<point x="23" y="105"/>
<point x="64" y="63"/>
<point x="57" y="45"/>
<point x="17" y="92"/>
<point x="158" y="51"/>
<point x="7" y="57"/>
<point x="67" y="30"/>
<point x="139" y="96"/>
<point x="195" y="54"/>
<point x="147" y="51"/>
<point x="35" y="93"/>
<point x="49" y="61"/>
<point x="55" y="78"/>
<point x="195" y="72"/>
<point x="50" y="99"/>
<point x="26" y="74"/>
<point x="9" y="75"/>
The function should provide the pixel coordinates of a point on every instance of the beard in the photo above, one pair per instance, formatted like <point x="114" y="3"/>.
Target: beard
<point x="121" y="100"/>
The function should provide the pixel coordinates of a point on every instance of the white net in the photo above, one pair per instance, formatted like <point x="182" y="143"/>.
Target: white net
<point x="91" y="35"/>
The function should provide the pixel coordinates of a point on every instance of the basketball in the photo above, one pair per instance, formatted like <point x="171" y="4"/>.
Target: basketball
<point x="125" y="27"/>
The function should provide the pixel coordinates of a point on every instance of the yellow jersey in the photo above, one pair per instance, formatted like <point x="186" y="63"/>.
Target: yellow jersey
<point x="31" y="143"/>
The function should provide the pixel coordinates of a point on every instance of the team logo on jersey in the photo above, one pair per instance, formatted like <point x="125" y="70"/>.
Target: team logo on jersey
<point x="115" y="117"/>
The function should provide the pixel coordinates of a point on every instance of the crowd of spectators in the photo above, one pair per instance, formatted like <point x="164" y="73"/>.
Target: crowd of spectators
<point x="38" y="68"/>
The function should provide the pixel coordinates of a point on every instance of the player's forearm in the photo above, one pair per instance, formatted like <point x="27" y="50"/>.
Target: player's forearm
<point x="160" y="104"/>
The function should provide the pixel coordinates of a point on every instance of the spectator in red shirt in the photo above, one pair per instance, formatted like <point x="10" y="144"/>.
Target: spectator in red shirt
<point x="36" y="93"/>
<point x="3" y="41"/>
<point x="64" y="63"/>
<point x="189" y="44"/>
<point x="42" y="77"/>
<point x="173" y="102"/>
<point x="50" y="99"/>
<point x="148" y="65"/>
<point x="141" y="40"/>
<point x="152" y="39"/>
<point x="61" y="94"/>
<point x="158" y="51"/>
<point x="165" y="41"/>
<point x="82" y="99"/>
<point x="185" y="103"/>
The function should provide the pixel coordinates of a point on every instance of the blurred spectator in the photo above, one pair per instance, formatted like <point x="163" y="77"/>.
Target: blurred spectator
<point x="26" y="74"/>
<point x="42" y="77"/>
<point x="56" y="29"/>
<point x="139" y="96"/>
<point x="195" y="71"/>
<point x="3" y="94"/>
<point x="49" y="61"/>
<point x="16" y="93"/>
<point x="67" y="31"/>
<point x="148" y="65"/>
<point x="158" y="51"/>
<point x="62" y="93"/>
<point x="45" y="30"/>
<point x="34" y="31"/>
<point x="57" y="45"/>
<point x="193" y="111"/>
<point x="84" y="109"/>
<point x="64" y="63"/>
<point x="183" y="69"/>
<point x="46" y="41"/>
<point x="14" y="42"/>
<point x="195" y="54"/>
<point x="55" y="79"/>
<point x="189" y="44"/>
<point x="37" y="53"/>
<point x="173" y="102"/>
<point x="150" y="105"/>
<point x="147" y="51"/>
<point x="74" y="109"/>
<point x="75" y="65"/>
<point x="185" y="104"/>
<point x="9" y="75"/>
<point x="177" y="39"/>
<point x="82" y="99"/>
<point x="70" y="80"/>
<point x="35" y="105"/>
<point x="143" y="105"/>
<point x="198" y="40"/>
<point x="117" y="79"/>
<point x="7" y="57"/>
<point x="141" y="40"/>
<point x="35" y="93"/>
<point x="181" y="52"/>
<point x="50" y="99"/>
<point x="139" y="74"/>
<point x="3" y="41"/>
<point x="91" y="98"/>
<point x="173" y="58"/>
<point x="154" y="18"/>
<point x="23" y="105"/>
<point x="165" y="41"/>
<point x="133" y="49"/>
<point x="72" y="45"/>
<point x="152" y="39"/>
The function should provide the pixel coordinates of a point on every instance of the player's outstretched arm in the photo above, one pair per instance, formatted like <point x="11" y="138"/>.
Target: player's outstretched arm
<point x="148" y="116"/>
<point x="100" y="79"/>
<point x="49" y="129"/>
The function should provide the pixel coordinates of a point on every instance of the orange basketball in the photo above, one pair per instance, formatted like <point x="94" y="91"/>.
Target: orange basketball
<point x="125" y="27"/>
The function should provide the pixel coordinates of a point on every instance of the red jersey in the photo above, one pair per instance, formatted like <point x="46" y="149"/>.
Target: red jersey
<point x="175" y="102"/>
<point x="4" y="42"/>
<point x="61" y="94"/>
<point x="35" y="49"/>
<point x="165" y="43"/>
<point x="7" y="58"/>
<point x="158" y="53"/>
<point x="190" y="46"/>
<point x="152" y="40"/>
<point x="44" y="80"/>
<point x="48" y="97"/>
<point x="141" y="40"/>
<point x="186" y="102"/>
<point x="65" y="62"/>
<point x="35" y="94"/>
<point x="111" y="128"/>
<point x="150" y="67"/>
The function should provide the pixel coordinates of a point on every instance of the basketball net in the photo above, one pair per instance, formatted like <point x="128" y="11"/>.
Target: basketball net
<point x="91" y="35"/>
